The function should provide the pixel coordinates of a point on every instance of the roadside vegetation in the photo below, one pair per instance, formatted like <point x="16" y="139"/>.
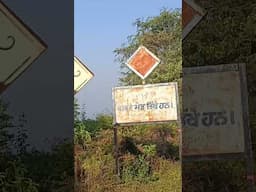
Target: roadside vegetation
<point x="148" y="154"/>
<point x="24" y="169"/>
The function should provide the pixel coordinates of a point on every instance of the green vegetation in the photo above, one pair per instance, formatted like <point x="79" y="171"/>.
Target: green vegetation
<point x="148" y="154"/>
<point x="161" y="35"/>
<point x="24" y="170"/>
<point x="148" y="157"/>
<point x="12" y="172"/>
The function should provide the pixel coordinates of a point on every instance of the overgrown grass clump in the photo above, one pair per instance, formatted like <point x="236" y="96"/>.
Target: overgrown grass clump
<point x="148" y="157"/>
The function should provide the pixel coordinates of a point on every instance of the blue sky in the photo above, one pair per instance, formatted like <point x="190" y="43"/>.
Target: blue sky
<point x="101" y="26"/>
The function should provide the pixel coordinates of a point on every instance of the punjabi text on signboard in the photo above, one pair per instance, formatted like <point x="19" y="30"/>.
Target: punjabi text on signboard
<point x="146" y="103"/>
<point x="212" y="111"/>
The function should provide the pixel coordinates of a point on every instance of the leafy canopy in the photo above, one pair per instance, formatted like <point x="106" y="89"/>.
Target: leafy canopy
<point x="162" y="36"/>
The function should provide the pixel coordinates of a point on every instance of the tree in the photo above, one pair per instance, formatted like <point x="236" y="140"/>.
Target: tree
<point x="5" y="125"/>
<point x="81" y="135"/>
<point x="161" y="35"/>
<point x="12" y="171"/>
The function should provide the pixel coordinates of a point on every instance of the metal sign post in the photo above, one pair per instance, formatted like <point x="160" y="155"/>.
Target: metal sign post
<point x="146" y="103"/>
<point x="142" y="62"/>
<point x="19" y="47"/>
<point x="116" y="151"/>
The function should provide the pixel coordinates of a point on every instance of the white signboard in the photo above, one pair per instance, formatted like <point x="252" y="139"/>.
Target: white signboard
<point x="19" y="47"/>
<point x="213" y="110"/>
<point x="81" y="74"/>
<point x="146" y="103"/>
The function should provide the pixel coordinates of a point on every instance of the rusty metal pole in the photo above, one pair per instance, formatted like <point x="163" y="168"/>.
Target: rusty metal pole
<point x="117" y="170"/>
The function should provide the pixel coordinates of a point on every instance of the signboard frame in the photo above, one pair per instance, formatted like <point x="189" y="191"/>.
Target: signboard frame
<point x="241" y="68"/>
<point x="175" y="84"/>
<point x="85" y="68"/>
<point x="19" y="23"/>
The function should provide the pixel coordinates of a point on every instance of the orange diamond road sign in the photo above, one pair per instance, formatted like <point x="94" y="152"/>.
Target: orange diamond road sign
<point x="142" y="62"/>
<point x="19" y="47"/>
<point x="192" y="14"/>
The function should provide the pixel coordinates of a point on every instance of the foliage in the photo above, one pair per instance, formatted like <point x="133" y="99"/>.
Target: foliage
<point x="168" y="179"/>
<point x="94" y="126"/>
<point x="31" y="171"/>
<point x="149" y="150"/>
<point x="13" y="175"/>
<point x="14" y="179"/>
<point x="81" y="137"/>
<point x="214" y="176"/>
<point x="137" y="170"/>
<point x="5" y="125"/>
<point x="51" y="170"/>
<point x="161" y="35"/>
<point x="144" y="172"/>
<point x="145" y="151"/>
<point x="105" y="121"/>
